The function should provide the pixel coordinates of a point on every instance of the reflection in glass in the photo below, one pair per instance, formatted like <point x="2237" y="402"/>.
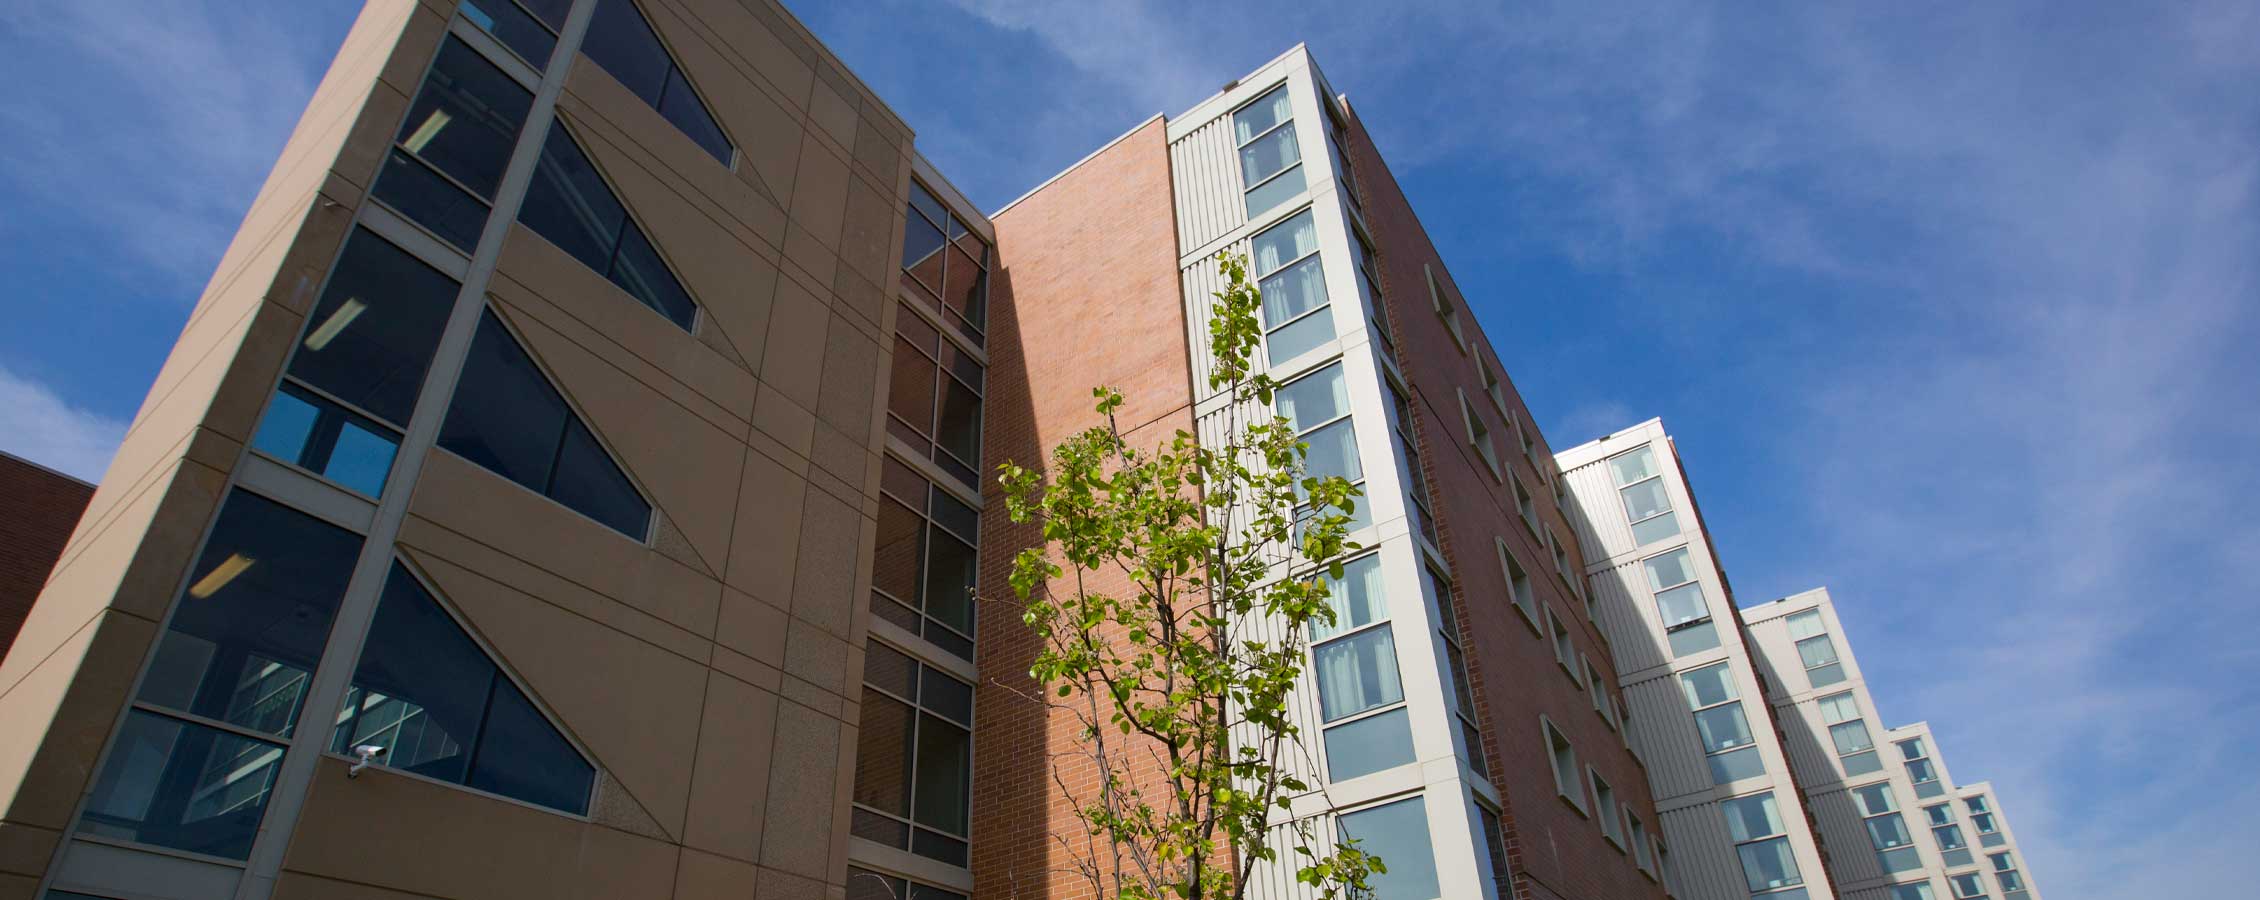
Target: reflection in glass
<point x="188" y="787"/>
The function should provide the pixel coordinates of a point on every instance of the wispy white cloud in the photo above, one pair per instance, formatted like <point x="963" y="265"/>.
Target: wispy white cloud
<point x="144" y="128"/>
<point x="40" y="426"/>
<point x="1987" y="345"/>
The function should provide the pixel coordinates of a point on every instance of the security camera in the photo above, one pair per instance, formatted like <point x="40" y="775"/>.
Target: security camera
<point x="367" y="753"/>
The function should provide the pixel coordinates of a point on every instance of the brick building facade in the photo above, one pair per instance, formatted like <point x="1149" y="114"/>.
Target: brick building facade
<point x="38" y="508"/>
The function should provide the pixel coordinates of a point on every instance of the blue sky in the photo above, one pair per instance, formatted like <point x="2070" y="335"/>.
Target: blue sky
<point x="1951" y="307"/>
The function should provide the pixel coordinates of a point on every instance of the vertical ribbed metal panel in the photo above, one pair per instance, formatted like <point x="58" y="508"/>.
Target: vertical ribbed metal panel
<point x="1205" y="166"/>
<point x="1811" y="755"/>
<point x="1776" y="655"/>
<point x="1276" y="881"/>
<point x="1602" y="530"/>
<point x="1851" y="855"/>
<point x="1667" y="738"/>
<point x="1874" y="893"/>
<point x="1201" y="282"/>
<point x="1628" y="616"/>
<point x="1704" y="854"/>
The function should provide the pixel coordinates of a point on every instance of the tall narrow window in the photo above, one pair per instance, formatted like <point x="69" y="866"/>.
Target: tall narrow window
<point x="1887" y="830"/>
<point x="924" y="565"/>
<point x="1768" y="864"/>
<point x="570" y="205"/>
<point x="1271" y="170"/>
<point x="1462" y="688"/>
<point x="1947" y="832"/>
<point x="1293" y="284"/>
<point x="192" y="764"/>
<point x="509" y="419"/>
<point x="1495" y="847"/>
<point x="1720" y="721"/>
<point x="914" y="758"/>
<point x="528" y="27"/>
<point x="1416" y="479"/>
<point x="353" y="379"/>
<point x="1338" y="140"/>
<point x="1640" y="486"/>
<point x="447" y="160"/>
<point x="934" y="399"/>
<point x="1376" y="303"/>
<point x="431" y="697"/>
<point x="1680" y="606"/>
<point x="621" y="41"/>
<point x="945" y="265"/>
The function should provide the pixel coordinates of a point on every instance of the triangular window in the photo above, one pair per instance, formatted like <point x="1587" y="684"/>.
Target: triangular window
<point x="622" y="41"/>
<point x="508" y="418"/>
<point x="441" y="708"/>
<point x="570" y="205"/>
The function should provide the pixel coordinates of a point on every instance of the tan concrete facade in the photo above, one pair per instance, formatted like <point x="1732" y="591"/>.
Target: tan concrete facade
<point x="708" y="672"/>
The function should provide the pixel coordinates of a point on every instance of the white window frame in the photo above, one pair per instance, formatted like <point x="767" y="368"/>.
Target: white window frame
<point x="1558" y="743"/>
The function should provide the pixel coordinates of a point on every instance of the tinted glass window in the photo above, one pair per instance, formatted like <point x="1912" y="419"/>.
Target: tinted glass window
<point x="569" y="205"/>
<point x="308" y="430"/>
<point x="508" y="418"/>
<point x="505" y="416"/>
<point x="417" y="191"/>
<point x="180" y="785"/>
<point x="1357" y="673"/>
<point x="371" y="335"/>
<point x="1368" y="745"/>
<point x="622" y="41"/>
<point x="465" y="119"/>
<point x="1398" y="833"/>
<point x="518" y="29"/>
<point x="246" y="635"/>
<point x="431" y="696"/>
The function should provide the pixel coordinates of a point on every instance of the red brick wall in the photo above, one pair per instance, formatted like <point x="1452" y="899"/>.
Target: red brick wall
<point x="1556" y="852"/>
<point x="38" y="509"/>
<point x="1085" y="294"/>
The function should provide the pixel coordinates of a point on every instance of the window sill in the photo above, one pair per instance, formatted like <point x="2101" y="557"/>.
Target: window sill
<point x="1529" y="618"/>
<point x="1572" y="803"/>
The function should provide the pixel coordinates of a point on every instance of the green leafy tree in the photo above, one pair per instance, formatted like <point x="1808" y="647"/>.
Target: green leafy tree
<point x="1170" y="636"/>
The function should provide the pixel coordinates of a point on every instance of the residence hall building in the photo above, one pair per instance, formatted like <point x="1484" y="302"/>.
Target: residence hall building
<point x="1898" y="826"/>
<point x="38" y="508"/>
<point x="1730" y="806"/>
<point x="571" y="484"/>
<point x="1480" y="753"/>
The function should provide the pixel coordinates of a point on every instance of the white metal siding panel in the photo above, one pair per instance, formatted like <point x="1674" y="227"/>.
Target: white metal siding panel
<point x="1276" y="881"/>
<point x="1602" y="530"/>
<point x="1851" y="855"/>
<point x="1667" y="738"/>
<point x="1811" y="754"/>
<point x="1704" y="854"/>
<point x="1202" y="282"/>
<point x="1628" y="616"/>
<point x="1205" y="167"/>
